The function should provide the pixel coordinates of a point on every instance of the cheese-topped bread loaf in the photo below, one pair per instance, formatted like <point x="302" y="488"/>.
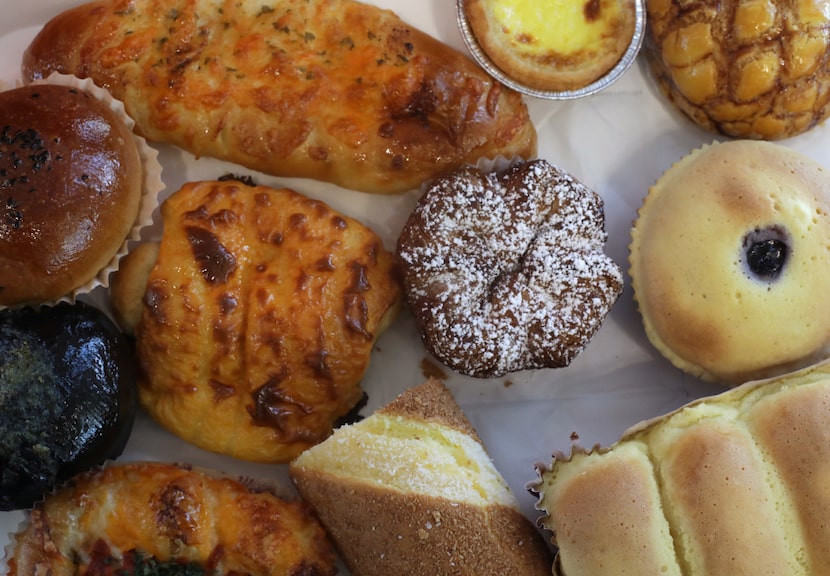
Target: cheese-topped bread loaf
<point x="732" y="484"/>
<point x="335" y="90"/>
<point x="256" y="316"/>
<point x="146" y="518"/>
<point x="411" y="490"/>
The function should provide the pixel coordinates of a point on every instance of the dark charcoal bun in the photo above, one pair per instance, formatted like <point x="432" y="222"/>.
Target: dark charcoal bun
<point x="67" y="397"/>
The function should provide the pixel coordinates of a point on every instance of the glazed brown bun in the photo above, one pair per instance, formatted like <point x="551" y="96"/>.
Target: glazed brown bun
<point x="72" y="183"/>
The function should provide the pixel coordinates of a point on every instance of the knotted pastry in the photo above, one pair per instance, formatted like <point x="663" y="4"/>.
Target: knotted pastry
<point x="732" y="484"/>
<point x="155" y="518"/>
<point x="506" y="270"/>
<point x="744" y="68"/>
<point x="258" y="317"/>
<point x="335" y="90"/>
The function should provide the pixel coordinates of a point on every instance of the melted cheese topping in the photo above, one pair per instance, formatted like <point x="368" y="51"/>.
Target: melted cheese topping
<point x="561" y="26"/>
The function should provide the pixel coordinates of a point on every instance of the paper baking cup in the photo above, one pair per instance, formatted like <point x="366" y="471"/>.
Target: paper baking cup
<point x="153" y="184"/>
<point x="625" y="62"/>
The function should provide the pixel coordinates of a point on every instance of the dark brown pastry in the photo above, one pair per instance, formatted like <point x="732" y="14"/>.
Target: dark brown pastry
<point x="505" y="271"/>
<point x="67" y="397"/>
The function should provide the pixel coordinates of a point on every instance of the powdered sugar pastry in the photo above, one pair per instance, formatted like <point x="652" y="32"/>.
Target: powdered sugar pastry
<point x="505" y="271"/>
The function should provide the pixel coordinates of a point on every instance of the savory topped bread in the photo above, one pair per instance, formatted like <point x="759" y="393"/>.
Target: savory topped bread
<point x="258" y="318"/>
<point x="335" y="90"/>
<point x="553" y="45"/>
<point x="149" y="518"/>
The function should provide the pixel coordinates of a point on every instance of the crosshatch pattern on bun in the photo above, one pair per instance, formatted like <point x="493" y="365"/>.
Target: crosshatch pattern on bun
<point x="746" y="69"/>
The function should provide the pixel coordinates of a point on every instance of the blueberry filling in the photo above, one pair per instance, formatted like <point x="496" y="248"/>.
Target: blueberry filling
<point x="766" y="252"/>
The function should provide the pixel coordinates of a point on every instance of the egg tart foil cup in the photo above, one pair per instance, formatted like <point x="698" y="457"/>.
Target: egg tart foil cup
<point x="615" y="73"/>
<point x="153" y="184"/>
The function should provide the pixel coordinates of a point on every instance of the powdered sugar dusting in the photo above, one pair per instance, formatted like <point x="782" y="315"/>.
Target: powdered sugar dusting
<point x="505" y="271"/>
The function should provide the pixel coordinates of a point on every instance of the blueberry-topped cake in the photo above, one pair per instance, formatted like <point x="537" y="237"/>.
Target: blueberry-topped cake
<point x="730" y="256"/>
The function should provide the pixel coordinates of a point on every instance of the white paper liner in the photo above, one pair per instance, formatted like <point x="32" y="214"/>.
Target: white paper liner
<point x="153" y="184"/>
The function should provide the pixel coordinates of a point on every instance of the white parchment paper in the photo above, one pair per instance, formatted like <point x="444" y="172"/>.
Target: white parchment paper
<point x="618" y="142"/>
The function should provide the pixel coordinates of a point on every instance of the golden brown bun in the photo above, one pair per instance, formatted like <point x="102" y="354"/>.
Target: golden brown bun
<point x="169" y="513"/>
<point x="411" y="490"/>
<point x="258" y="317"/>
<point x="553" y="46"/>
<point x="334" y="90"/>
<point x="70" y="194"/>
<point x="744" y="68"/>
<point x="729" y="259"/>
<point x="732" y="484"/>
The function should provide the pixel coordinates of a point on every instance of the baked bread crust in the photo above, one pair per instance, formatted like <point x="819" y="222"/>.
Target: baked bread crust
<point x="732" y="484"/>
<point x="70" y="194"/>
<point x="743" y="68"/>
<point x="170" y="514"/>
<point x="334" y="90"/>
<point x="403" y="523"/>
<point x="570" y="50"/>
<point x="259" y="317"/>
<point x="703" y="304"/>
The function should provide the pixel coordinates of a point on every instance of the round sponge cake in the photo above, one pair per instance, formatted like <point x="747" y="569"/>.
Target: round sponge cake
<point x="730" y="262"/>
